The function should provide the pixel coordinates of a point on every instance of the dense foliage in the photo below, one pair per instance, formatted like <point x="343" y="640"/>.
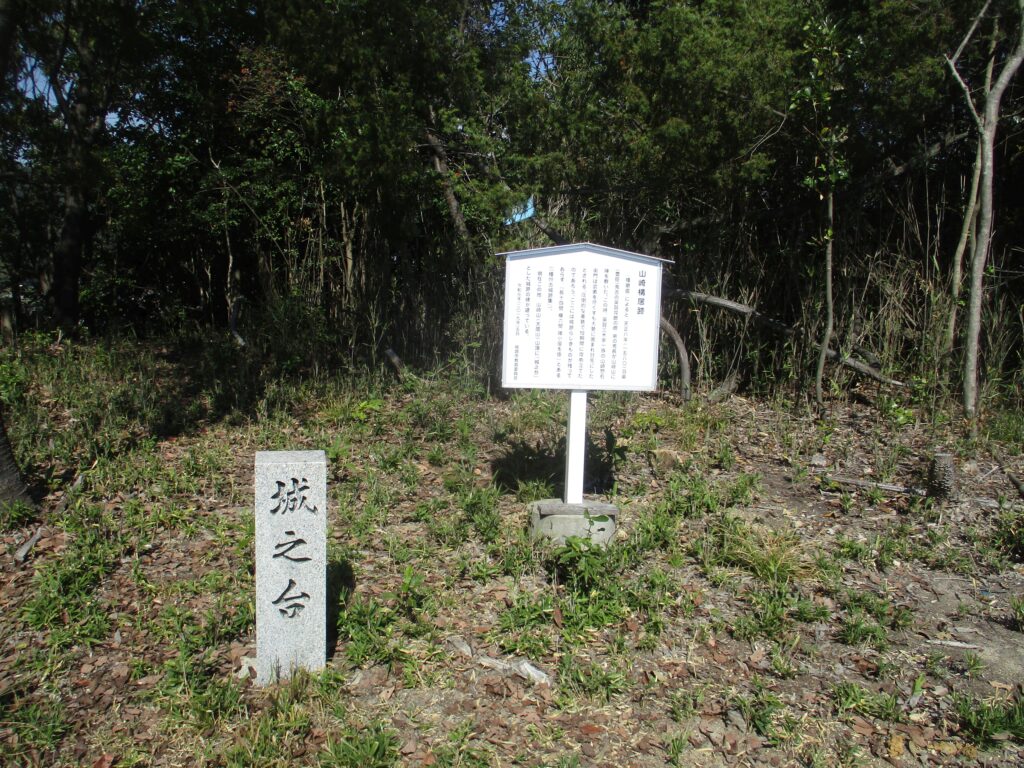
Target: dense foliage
<point x="344" y="169"/>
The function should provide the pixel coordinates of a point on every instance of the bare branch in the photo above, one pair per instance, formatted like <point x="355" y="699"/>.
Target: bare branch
<point x="966" y="90"/>
<point x="970" y="33"/>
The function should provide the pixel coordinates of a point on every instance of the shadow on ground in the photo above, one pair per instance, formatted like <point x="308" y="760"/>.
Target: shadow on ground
<point x="524" y="464"/>
<point x="341" y="583"/>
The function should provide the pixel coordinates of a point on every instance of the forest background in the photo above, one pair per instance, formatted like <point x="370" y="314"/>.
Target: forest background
<point x="331" y="179"/>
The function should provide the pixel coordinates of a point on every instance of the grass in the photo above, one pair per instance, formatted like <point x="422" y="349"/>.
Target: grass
<point x="429" y="481"/>
<point x="850" y="697"/>
<point x="989" y="722"/>
<point x="36" y="726"/>
<point x="775" y="558"/>
<point x="375" y="746"/>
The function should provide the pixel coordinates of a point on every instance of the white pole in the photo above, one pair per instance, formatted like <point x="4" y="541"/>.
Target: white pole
<point x="575" y="445"/>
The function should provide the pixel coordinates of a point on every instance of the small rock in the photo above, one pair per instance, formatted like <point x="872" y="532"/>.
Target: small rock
<point x="527" y="671"/>
<point x="246" y="669"/>
<point x="818" y="460"/>
<point x="460" y="646"/>
<point x="736" y="720"/>
<point x="501" y="666"/>
<point x="714" y="729"/>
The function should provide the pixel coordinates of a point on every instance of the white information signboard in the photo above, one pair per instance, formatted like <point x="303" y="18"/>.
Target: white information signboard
<point x="581" y="317"/>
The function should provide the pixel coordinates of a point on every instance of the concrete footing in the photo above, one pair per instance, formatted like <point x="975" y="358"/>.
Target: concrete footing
<point x="554" y="519"/>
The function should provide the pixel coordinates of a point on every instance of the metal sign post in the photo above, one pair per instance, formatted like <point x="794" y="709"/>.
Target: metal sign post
<point x="575" y="447"/>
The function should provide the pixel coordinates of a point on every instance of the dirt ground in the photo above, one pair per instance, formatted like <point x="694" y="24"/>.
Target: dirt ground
<point x="682" y="684"/>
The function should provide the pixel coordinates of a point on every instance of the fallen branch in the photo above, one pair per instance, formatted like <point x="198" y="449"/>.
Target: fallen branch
<point x="1001" y="461"/>
<point x="855" y="482"/>
<point x="904" y="490"/>
<point x="684" y="359"/>
<point x="861" y="368"/>
<point x="24" y="549"/>
<point x="734" y="306"/>
<point x="780" y="327"/>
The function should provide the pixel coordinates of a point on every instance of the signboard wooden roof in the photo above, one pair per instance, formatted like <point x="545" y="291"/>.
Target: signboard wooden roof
<point x="581" y="317"/>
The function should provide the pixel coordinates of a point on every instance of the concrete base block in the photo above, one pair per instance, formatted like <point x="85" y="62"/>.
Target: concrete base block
<point x="556" y="520"/>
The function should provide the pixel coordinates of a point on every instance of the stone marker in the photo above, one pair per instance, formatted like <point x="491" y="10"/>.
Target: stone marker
<point x="291" y="563"/>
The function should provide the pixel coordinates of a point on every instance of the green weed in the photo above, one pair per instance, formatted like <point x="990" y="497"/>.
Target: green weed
<point x="775" y="558"/>
<point x="33" y="727"/>
<point x="850" y="697"/>
<point x="581" y="678"/>
<point x="856" y="629"/>
<point x="15" y="514"/>
<point x="675" y="747"/>
<point x="986" y="723"/>
<point x="1008" y="535"/>
<point x="766" y="714"/>
<point x="1017" y="612"/>
<point x="533" y="490"/>
<point x="682" y="705"/>
<point x="368" y="628"/>
<point x="375" y="746"/>
<point x="481" y="507"/>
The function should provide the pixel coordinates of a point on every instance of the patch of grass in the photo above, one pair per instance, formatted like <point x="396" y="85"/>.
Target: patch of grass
<point x="879" y="607"/>
<point x="972" y="663"/>
<point x="850" y="697"/>
<point x="523" y="627"/>
<point x="374" y="746"/>
<point x="744" y="489"/>
<point x="690" y="496"/>
<point x="65" y="601"/>
<point x="16" y="514"/>
<point x="367" y="628"/>
<point x="674" y="749"/>
<point x="584" y="567"/>
<point x="28" y="727"/>
<point x="987" y="723"/>
<point x="656" y="530"/>
<point x="768" y="617"/>
<point x="516" y="555"/>
<point x="775" y="558"/>
<point x="1008" y="534"/>
<point x="682" y="705"/>
<point x="1007" y="426"/>
<point x="192" y="692"/>
<point x="533" y="490"/>
<point x="858" y="629"/>
<point x="588" y="679"/>
<point x="766" y="713"/>
<point x="1017" y="612"/>
<point x="879" y="553"/>
<point x="481" y="508"/>
<point x="460" y="752"/>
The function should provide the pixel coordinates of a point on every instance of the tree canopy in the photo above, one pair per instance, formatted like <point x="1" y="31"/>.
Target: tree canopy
<point x="348" y="167"/>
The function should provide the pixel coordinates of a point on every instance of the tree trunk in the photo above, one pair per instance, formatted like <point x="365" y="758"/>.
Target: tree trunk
<point x="988" y="122"/>
<point x="441" y="166"/>
<point x="967" y="234"/>
<point x="67" y="258"/>
<point x="968" y="229"/>
<point x="8" y="21"/>
<point x="12" y="487"/>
